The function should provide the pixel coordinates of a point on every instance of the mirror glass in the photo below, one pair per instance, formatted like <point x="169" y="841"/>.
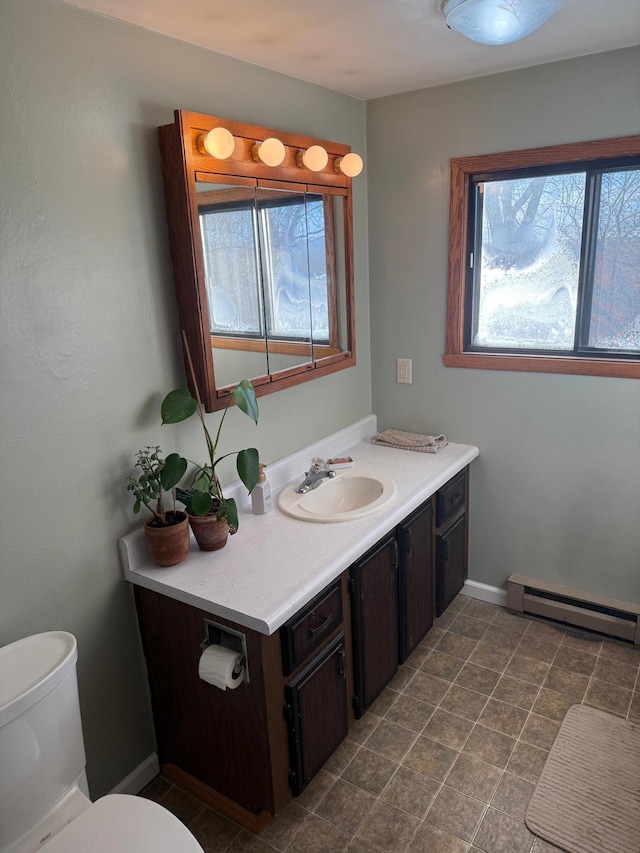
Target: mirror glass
<point x="232" y="273"/>
<point x="287" y="257"/>
<point x="275" y="277"/>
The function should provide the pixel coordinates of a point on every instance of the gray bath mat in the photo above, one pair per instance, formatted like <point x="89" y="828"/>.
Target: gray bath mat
<point x="588" y="796"/>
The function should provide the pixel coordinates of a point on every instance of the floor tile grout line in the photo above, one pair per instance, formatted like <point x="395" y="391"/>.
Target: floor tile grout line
<point x="459" y="751"/>
<point x="205" y="807"/>
<point x="491" y="696"/>
<point x="476" y="723"/>
<point x="530" y="712"/>
<point x="517" y="740"/>
<point x="388" y="757"/>
<point x="592" y="678"/>
<point x="393" y="775"/>
<point x="366" y="815"/>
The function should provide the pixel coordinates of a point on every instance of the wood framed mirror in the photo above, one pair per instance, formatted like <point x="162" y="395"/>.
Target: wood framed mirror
<point x="262" y="257"/>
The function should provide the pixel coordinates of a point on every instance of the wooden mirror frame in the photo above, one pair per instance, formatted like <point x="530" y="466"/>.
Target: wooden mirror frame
<point x="182" y="163"/>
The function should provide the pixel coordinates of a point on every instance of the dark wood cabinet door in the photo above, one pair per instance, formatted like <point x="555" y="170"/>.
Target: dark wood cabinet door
<point x="374" y="610"/>
<point x="451" y="562"/>
<point x="415" y="579"/>
<point x="316" y="711"/>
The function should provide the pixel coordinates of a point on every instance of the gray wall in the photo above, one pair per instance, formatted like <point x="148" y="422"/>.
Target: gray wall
<point x="555" y="491"/>
<point x="89" y="340"/>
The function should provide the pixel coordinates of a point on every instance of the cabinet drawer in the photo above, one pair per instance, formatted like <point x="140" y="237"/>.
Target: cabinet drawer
<point x="305" y="631"/>
<point x="451" y="497"/>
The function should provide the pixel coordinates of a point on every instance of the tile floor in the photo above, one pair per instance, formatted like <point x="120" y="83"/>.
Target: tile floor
<point x="447" y="758"/>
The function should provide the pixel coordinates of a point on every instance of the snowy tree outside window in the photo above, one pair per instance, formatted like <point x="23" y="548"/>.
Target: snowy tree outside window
<point x="555" y="266"/>
<point x="266" y="269"/>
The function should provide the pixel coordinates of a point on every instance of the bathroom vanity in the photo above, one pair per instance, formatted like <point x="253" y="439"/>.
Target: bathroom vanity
<point x="325" y="614"/>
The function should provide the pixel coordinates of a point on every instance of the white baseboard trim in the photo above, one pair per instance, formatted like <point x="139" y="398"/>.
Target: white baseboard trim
<point x="484" y="592"/>
<point x="139" y="777"/>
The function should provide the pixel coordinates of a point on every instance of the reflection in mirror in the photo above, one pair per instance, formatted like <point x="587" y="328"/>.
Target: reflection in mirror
<point x="231" y="263"/>
<point x="285" y="252"/>
<point x="274" y="271"/>
<point x="338" y="340"/>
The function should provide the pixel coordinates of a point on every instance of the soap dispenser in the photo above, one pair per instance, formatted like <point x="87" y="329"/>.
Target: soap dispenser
<point x="261" y="494"/>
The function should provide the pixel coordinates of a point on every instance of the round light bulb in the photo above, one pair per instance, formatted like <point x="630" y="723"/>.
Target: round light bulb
<point x="218" y="143"/>
<point x="271" y="152"/>
<point x="350" y="165"/>
<point x="314" y="158"/>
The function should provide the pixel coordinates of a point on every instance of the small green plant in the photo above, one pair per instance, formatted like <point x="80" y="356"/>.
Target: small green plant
<point x="157" y="475"/>
<point x="204" y="496"/>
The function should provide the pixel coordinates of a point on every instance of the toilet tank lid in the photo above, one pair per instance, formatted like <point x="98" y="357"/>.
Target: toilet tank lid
<point x="30" y="668"/>
<point x="126" y="824"/>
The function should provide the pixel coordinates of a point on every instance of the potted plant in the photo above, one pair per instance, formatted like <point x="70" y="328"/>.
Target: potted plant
<point x="212" y="516"/>
<point x="166" y="532"/>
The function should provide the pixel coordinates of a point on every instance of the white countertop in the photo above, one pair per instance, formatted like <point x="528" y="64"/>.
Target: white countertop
<point x="275" y="564"/>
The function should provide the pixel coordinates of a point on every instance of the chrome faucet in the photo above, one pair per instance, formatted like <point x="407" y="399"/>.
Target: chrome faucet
<point x="318" y="472"/>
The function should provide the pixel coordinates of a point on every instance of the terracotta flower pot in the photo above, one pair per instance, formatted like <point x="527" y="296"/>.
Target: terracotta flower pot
<point x="211" y="534"/>
<point x="168" y="545"/>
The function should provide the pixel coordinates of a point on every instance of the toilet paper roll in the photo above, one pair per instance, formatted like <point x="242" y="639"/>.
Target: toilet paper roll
<point x="222" y="667"/>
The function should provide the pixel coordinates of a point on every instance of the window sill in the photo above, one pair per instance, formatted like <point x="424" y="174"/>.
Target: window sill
<point x="545" y="364"/>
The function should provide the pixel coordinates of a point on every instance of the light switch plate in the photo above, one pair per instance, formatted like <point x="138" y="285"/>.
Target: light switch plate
<point x="403" y="371"/>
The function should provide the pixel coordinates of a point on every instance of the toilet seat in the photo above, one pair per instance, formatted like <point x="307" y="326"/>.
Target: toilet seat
<point x="120" y="823"/>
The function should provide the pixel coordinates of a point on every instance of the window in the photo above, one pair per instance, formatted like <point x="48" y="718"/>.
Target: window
<point x="545" y="260"/>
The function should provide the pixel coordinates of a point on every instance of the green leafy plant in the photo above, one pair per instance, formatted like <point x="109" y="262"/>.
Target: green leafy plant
<point x="157" y="475"/>
<point x="204" y="496"/>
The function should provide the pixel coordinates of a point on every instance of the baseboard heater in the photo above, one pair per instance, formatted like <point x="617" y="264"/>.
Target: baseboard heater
<point x="574" y="608"/>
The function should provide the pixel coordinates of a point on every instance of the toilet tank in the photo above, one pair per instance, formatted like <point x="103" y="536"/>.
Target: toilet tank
<point x="41" y="746"/>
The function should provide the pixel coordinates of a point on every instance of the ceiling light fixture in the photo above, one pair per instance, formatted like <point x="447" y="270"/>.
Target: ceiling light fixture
<point x="271" y="152"/>
<point x="498" y="21"/>
<point x="218" y="143"/>
<point x="314" y="158"/>
<point x="350" y="165"/>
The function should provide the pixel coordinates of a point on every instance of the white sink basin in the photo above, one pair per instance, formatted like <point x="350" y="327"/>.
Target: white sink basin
<point x="349" y="495"/>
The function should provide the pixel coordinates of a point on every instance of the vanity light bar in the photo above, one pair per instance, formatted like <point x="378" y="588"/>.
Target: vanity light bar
<point x="221" y="144"/>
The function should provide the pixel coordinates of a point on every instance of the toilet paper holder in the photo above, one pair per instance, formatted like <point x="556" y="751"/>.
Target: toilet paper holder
<point x="221" y="635"/>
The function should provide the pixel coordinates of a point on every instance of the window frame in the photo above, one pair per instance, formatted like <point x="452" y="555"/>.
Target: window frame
<point x="463" y="169"/>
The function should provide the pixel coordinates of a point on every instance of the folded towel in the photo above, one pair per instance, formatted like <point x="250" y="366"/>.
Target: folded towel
<point x="410" y="441"/>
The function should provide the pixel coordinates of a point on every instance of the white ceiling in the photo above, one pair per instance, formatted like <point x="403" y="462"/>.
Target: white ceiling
<point x="371" y="48"/>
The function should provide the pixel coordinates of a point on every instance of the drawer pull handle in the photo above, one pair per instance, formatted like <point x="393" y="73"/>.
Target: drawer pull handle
<point x="324" y="625"/>
<point x="407" y="546"/>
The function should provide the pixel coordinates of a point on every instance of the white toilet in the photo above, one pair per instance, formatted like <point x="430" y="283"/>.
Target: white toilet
<point x="44" y="797"/>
